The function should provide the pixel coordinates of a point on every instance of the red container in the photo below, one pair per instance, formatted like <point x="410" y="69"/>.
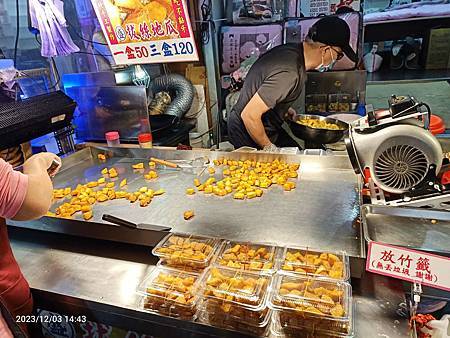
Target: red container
<point x="437" y="125"/>
<point x="112" y="138"/>
<point x="145" y="140"/>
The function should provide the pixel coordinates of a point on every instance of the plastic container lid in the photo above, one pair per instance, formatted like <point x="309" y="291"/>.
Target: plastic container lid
<point x="167" y="283"/>
<point x="112" y="135"/>
<point x="248" y="256"/>
<point x="236" y="288"/>
<point x="305" y="261"/>
<point x="301" y="331"/>
<point x="187" y="250"/>
<point x="170" y="292"/>
<point x="145" y="137"/>
<point x="315" y="303"/>
<point x="437" y="125"/>
<point x="232" y="323"/>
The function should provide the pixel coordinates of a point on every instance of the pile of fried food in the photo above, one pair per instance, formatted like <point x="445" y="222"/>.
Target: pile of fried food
<point x="247" y="257"/>
<point x="311" y="263"/>
<point x="312" y="303"/>
<point x="241" y="179"/>
<point x="318" y="124"/>
<point x="236" y="294"/>
<point x="172" y="293"/>
<point x="247" y="179"/>
<point x="185" y="253"/>
<point x="84" y="196"/>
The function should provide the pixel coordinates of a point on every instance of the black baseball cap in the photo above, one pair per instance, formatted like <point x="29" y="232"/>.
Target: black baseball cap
<point x="333" y="31"/>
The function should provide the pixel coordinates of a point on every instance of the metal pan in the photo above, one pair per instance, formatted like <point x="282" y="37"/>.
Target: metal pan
<point x="316" y="135"/>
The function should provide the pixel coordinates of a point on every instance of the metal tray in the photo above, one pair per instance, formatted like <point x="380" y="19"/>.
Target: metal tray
<point x="421" y="229"/>
<point x="321" y="212"/>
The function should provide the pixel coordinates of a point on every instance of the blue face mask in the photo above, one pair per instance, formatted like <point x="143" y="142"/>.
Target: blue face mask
<point x="325" y="68"/>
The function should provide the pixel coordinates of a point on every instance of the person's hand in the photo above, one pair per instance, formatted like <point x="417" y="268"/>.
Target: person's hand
<point x="42" y="162"/>
<point x="271" y="148"/>
<point x="290" y="114"/>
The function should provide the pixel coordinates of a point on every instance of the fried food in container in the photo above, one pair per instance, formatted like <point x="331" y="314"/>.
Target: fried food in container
<point x="305" y="261"/>
<point x="312" y="304"/>
<point x="240" y="295"/>
<point x="231" y="323"/>
<point x="248" y="256"/>
<point x="171" y="293"/>
<point x="187" y="252"/>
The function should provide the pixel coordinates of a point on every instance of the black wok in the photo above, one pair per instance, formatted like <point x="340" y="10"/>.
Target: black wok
<point x="317" y="135"/>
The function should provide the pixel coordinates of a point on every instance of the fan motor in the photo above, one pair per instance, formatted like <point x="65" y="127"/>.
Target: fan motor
<point x="398" y="156"/>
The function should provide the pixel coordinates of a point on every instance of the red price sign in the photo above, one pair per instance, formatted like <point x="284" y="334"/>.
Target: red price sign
<point x="154" y="32"/>
<point x="409" y="265"/>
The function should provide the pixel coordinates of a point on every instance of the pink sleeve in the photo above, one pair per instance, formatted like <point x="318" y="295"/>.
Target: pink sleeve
<point x="13" y="189"/>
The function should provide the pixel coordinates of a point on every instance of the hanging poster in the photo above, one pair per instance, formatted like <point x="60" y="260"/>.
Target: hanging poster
<point x="312" y="8"/>
<point x="147" y="31"/>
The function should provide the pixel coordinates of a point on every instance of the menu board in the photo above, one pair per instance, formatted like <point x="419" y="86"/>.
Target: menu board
<point x="147" y="31"/>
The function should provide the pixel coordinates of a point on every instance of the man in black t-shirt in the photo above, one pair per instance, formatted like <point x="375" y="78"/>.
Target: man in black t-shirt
<point x="277" y="79"/>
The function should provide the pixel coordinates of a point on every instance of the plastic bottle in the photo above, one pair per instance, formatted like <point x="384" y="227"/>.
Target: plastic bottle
<point x="112" y="138"/>
<point x="361" y="107"/>
<point x="145" y="140"/>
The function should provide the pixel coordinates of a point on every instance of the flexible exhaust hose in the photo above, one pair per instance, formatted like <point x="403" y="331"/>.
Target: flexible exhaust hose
<point x="183" y="89"/>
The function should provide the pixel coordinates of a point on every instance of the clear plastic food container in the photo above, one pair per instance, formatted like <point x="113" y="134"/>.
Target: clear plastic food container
<point x="277" y="330"/>
<point x="309" y="304"/>
<point x="345" y="103"/>
<point x="321" y="102"/>
<point x="310" y="104"/>
<point x="186" y="252"/>
<point x="171" y="293"/>
<point x="248" y="256"/>
<point x="240" y="295"/>
<point x="339" y="102"/>
<point x="186" y="268"/>
<point x="231" y="323"/>
<point x="316" y="103"/>
<point x="310" y="262"/>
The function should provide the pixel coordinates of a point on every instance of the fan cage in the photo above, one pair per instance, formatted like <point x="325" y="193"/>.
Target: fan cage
<point x="401" y="167"/>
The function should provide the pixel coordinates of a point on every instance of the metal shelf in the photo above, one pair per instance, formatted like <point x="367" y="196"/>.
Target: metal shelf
<point x="408" y="76"/>
<point x="398" y="29"/>
<point x="405" y="20"/>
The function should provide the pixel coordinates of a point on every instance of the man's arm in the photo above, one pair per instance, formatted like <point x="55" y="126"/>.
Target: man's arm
<point x="252" y="118"/>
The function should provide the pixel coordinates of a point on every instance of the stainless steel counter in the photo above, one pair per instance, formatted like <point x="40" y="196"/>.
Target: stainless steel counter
<point x="418" y="230"/>
<point x="98" y="279"/>
<point x="320" y="213"/>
